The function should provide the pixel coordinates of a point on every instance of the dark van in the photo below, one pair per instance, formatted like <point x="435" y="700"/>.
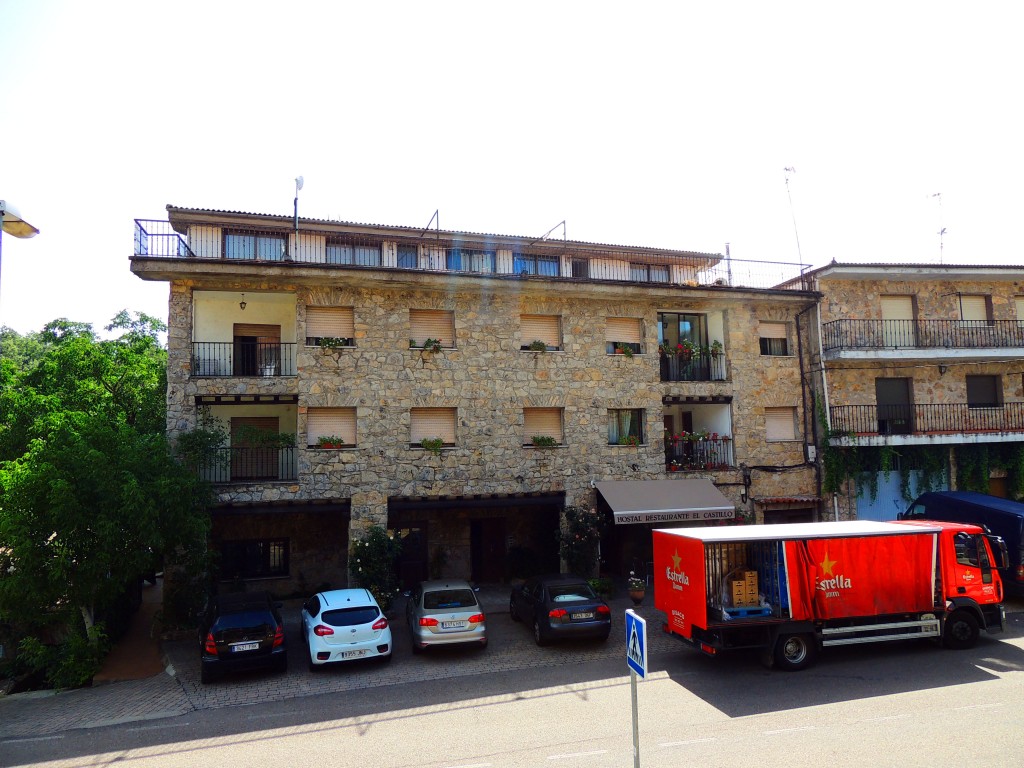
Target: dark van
<point x="1001" y="517"/>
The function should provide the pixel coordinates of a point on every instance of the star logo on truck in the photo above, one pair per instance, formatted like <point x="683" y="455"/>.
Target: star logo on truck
<point x="826" y="565"/>
<point x="676" y="559"/>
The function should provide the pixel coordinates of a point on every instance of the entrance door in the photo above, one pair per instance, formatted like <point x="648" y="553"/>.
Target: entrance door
<point x="487" y="549"/>
<point x="412" y="559"/>
<point x="898" y="328"/>
<point x="895" y="412"/>
<point x="257" y="349"/>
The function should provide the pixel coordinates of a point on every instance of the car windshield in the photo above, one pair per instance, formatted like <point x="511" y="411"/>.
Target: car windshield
<point x="449" y="598"/>
<point x="350" y="617"/>
<point x="243" y="620"/>
<point x="564" y="593"/>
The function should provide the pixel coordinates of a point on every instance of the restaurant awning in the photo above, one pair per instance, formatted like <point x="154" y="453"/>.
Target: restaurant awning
<point x="665" y="501"/>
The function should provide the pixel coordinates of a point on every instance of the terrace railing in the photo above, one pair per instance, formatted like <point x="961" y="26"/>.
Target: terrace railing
<point x="927" y="418"/>
<point x="699" y="367"/>
<point x="921" y="334"/>
<point x="249" y="465"/>
<point x="242" y="358"/>
<point x="709" y="453"/>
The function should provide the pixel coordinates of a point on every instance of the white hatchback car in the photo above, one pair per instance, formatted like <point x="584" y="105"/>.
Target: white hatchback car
<point x="343" y="625"/>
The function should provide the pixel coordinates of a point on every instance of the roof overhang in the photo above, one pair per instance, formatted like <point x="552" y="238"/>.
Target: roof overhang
<point x="665" y="501"/>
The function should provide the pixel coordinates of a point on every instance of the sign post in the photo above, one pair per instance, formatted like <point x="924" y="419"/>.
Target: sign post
<point x="636" y="660"/>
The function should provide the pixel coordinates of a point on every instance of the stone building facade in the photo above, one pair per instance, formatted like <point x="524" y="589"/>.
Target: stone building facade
<point x="249" y="299"/>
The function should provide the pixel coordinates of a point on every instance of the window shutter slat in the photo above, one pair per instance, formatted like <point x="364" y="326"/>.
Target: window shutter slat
<point x="772" y="330"/>
<point x="780" y="424"/>
<point x="336" y="322"/>
<point x="623" y="329"/>
<point x="340" y="422"/>
<point x="432" y="422"/>
<point x="432" y="324"/>
<point x="546" y="422"/>
<point x="544" y="328"/>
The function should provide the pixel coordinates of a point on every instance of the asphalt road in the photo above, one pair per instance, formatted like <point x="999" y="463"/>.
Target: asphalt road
<point x="907" y="704"/>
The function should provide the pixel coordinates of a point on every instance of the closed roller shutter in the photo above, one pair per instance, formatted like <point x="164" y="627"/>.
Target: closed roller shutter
<point x="897" y="307"/>
<point x="339" y="422"/>
<point x="546" y="422"/>
<point x="974" y="308"/>
<point x="1020" y="310"/>
<point x="330" y="322"/>
<point x="772" y="330"/>
<point x="428" y="423"/>
<point x="432" y="324"/>
<point x="780" y="423"/>
<point x="625" y="330"/>
<point x="546" y="328"/>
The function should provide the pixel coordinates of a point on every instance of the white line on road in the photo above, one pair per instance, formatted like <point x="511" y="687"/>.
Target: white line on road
<point x="684" y="743"/>
<point x="979" y="706"/>
<point x="788" y="730"/>
<point x="272" y="714"/>
<point x="882" y="719"/>
<point x="475" y="765"/>
<point x="158" y="727"/>
<point x="32" y="738"/>
<point x="578" y="754"/>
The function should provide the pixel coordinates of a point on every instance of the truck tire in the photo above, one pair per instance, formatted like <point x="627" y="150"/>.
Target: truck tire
<point x="795" y="651"/>
<point x="961" y="630"/>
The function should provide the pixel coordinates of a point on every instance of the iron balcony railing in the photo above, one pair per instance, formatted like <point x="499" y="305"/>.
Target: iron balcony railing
<point x="249" y="465"/>
<point x="242" y="358"/>
<point x="927" y="418"/>
<point x="921" y="334"/>
<point x="710" y="453"/>
<point x="699" y="367"/>
<point x="545" y="261"/>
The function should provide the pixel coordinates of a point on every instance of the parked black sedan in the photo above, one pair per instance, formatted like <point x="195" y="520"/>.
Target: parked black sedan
<point x="241" y="631"/>
<point x="560" y="606"/>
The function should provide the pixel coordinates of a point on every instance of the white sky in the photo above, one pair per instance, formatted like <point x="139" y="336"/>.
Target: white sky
<point x="637" y="123"/>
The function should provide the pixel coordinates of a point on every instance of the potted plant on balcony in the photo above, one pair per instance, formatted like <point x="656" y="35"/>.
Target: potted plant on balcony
<point x="333" y="342"/>
<point x="330" y="441"/>
<point x="623" y="349"/>
<point x="432" y="444"/>
<point x="717" y="349"/>
<point x="632" y="440"/>
<point x="685" y="349"/>
<point x="538" y="346"/>
<point x="637" y="588"/>
<point x="543" y="441"/>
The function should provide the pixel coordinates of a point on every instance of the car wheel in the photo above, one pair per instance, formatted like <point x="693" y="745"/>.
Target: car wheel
<point x="282" y="665"/>
<point x="312" y="666"/>
<point x="538" y="633"/>
<point x="385" y="659"/>
<point x="512" y="610"/>
<point x="604" y="636"/>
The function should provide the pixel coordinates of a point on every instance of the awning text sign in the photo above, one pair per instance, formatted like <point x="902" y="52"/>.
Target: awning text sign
<point x="674" y="516"/>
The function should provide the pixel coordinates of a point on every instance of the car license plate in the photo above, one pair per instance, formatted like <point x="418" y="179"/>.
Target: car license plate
<point x="452" y="624"/>
<point x="244" y="647"/>
<point x="583" y="615"/>
<point x="352" y="654"/>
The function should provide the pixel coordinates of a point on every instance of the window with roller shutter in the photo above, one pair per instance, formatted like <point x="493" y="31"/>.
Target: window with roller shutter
<point x="780" y="424"/>
<point x="330" y="323"/>
<point x="627" y="331"/>
<point x="773" y="339"/>
<point x="542" y="422"/>
<point x="975" y="310"/>
<point x="431" y="423"/>
<point x="330" y="422"/>
<point x="431" y="324"/>
<point x="545" y="328"/>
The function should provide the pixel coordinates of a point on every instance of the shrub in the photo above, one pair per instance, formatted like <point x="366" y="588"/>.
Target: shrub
<point x="373" y="563"/>
<point x="578" y="538"/>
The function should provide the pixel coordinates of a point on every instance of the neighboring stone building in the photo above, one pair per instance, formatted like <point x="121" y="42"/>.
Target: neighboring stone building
<point x="922" y="362"/>
<point x="671" y="367"/>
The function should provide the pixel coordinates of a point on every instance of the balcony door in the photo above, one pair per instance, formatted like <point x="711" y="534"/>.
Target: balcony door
<point x="253" y="454"/>
<point x="257" y="350"/>
<point x="895" y="409"/>
<point x="898" y="322"/>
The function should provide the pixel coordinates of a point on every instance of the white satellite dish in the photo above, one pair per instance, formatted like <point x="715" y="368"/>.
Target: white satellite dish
<point x="298" y="183"/>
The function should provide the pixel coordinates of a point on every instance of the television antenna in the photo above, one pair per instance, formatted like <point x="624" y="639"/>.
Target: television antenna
<point x="942" y="230"/>
<point x="788" y="170"/>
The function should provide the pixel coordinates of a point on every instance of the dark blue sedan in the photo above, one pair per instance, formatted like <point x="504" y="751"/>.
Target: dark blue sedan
<point x="560" y="606"/>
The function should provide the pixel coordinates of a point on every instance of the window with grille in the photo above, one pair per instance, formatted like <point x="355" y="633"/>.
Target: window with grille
<point x="408" y="257"/>
<point x="253" y="559"/>
<point x="527" y="264"/>
<point x="431" y="324"/>
<point x="362" y="255"/>
<point x="469" y="260"/>
<point x="984" y="392"/>
<point x="780" y="424"/>
<point x="625" y="331"/>
<point x="430" y="424"/>
<point x="625" y="426"/>
<point x="543" y="328"/>
<point x="773" y="338"/>
<point x="262" y="246"/>
<point x="331" y="423"/>
<point x="333" y="324"/>
<point x="648" y="273"/>
<point x="542" y="423"/>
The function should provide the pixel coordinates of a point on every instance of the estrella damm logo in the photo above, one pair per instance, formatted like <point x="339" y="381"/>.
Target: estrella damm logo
<point x="676" y="576"/>
<point x="838" y="581"/>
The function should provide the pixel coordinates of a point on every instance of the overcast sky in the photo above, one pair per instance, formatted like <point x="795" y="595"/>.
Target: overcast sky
<point x="646" y="124"/>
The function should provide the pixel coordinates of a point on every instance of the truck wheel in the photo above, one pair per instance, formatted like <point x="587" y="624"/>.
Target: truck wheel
<point x="961" y="631"/>
<point x="795" y="652"/>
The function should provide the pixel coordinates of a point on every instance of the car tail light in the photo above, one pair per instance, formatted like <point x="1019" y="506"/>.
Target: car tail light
<point x="381" y="623"/>
<point x="210" y="646"/>
<point x="1020" y="572"/>
<point x="476" y="619"/>
<point x="603" y="609"/>
<point x="425" y="621"/>
<point x="321" y="630"/>
<point x="279" y="636"/>
<point x="557" y="613"/>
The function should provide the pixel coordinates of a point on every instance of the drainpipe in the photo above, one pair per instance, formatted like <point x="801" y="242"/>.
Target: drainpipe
<point x="803" y="400"/>
<point x="824" y="394"/>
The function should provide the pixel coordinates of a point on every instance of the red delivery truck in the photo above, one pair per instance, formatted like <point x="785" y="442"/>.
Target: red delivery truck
<point x="791" y="589"/>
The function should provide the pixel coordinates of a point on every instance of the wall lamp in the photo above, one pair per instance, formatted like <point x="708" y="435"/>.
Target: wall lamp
<point x="241" y="304"/>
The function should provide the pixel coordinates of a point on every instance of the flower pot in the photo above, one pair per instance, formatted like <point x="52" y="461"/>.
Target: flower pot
<point x="637" y="595"/>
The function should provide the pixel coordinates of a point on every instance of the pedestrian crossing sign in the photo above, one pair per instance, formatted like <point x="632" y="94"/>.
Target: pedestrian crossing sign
<point x="636" y="643"/>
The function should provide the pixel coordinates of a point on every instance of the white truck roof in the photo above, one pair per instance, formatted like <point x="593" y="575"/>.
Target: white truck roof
<point x="829" y="530"/>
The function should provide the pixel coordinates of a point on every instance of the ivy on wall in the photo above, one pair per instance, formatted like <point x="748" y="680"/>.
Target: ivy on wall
<point x="975" y="463"/>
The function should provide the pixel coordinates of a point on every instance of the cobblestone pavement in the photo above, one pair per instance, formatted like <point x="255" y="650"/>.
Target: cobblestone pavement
<point x="510" y="647"/>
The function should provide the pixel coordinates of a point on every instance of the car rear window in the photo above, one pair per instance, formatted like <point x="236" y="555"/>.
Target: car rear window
<point x="564" y="593"/>
<point x="350" y="617"/>
<point x="449" y="598"/>
<point x="245" y="619"/>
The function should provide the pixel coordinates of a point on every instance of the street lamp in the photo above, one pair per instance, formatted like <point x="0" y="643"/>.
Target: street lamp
<point x="13" y="224"/>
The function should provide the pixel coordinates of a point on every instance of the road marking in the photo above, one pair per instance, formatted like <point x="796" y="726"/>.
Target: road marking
<point x="474" y="765"/>
<point x="272" y="714"/>
<point x="978" y="706"/>
<point x="684" y="743"/>
<point x="32" y="738"/>
<point x="158" y="727"/>
<point x="788" y="730"/>
<point x="578" y="754"/>
<point x="882" y="719"/>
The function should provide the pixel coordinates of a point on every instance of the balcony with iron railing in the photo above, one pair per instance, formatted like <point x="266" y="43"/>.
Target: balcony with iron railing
<point x="249" y="465"/>
<point x="926" y="419"/>
<point x="853" y="335"/>
<point x="242" y="358"/>
<point x="703" y="453"/>
<point x="697" y="367"/>
<point x="447" y="253"/>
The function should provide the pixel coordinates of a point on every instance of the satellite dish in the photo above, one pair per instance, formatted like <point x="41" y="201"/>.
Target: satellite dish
<point x="298" y="183"/>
